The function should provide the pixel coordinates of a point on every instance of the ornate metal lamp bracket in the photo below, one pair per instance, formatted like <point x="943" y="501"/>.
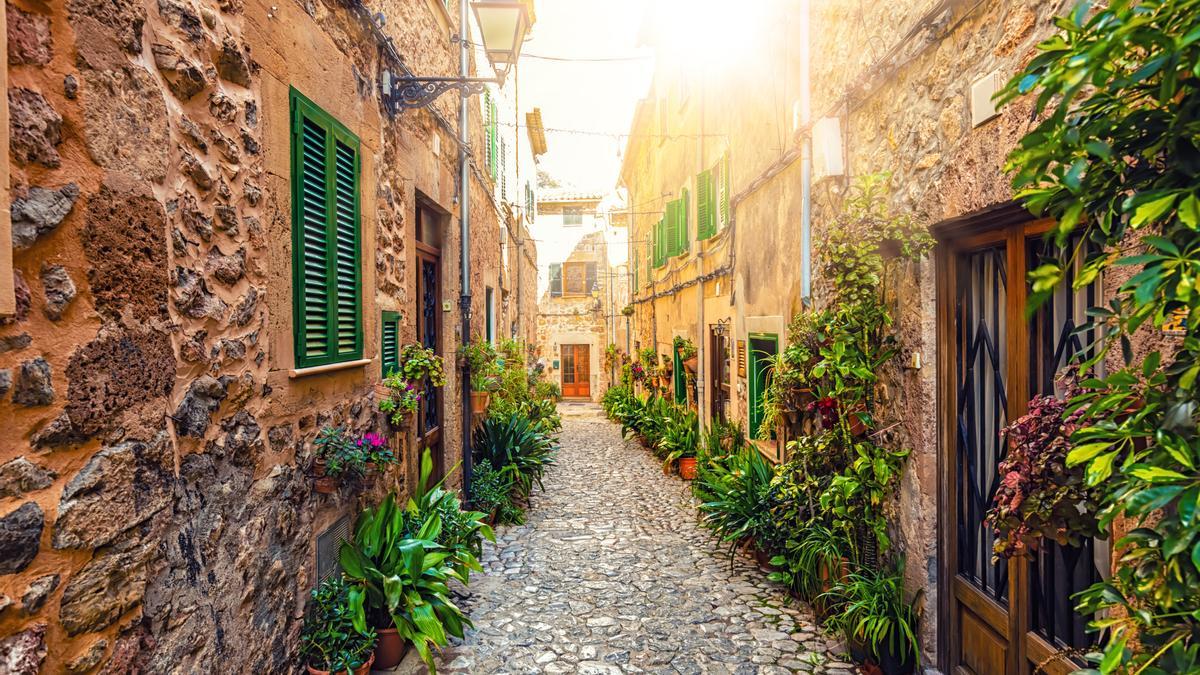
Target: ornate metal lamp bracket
<point x="418" y="92"/>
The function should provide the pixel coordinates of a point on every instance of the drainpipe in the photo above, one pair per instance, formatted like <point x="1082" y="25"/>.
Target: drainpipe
<point x="464" y="219"/>
<point x="805" y="158"/>
<point x="701" y="334"/>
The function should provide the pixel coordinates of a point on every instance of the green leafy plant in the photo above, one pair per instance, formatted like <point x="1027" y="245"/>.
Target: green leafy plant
<point x="870" y="610"/>
<point x="513" y="445"/>
<point x="339" y="452"/>
<point x="684" y="347"/>
<point x="376" y="450"/>
<point x="812" y="558"/>
<point x="401" y="580"/>
<point x="681" y="436"/>
<point x="491" y="492"/>
<point x="1113" y="161"/>
<point x="418" y="362"/>
<point x="462" y="531"/>
<point x="627" y="310"/>
<point x="484" y="363"/>
<point x="739" y="504"/>
<point x="330" y="641"/>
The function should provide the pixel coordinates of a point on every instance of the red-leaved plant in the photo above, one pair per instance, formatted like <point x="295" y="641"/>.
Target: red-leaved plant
<point x="1039" y="495"/>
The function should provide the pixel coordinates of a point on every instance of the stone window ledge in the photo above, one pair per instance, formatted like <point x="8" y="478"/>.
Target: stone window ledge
<point x="327" y="368"/>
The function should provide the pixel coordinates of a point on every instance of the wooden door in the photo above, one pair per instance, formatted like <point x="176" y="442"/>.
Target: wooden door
<point x="431" y="410"/>
<point x="1006" y="616"/>
<point x="576" y="371"/>
<point x="718" y="375"/>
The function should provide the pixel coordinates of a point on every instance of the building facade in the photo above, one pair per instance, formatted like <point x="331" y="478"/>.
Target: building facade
<point x="218" y="223"/>
<point x="718" y="160"/>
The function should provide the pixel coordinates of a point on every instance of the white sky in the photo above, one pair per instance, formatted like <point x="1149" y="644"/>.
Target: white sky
<point x="580" y="95"/>
<point x="596" y="97"/>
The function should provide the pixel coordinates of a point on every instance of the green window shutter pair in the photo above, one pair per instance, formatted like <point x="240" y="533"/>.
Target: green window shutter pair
<point x="675" y="235"/>
<point x="326" y="247"/>
<point x="706" y="217"/>
<point x="389" y="342"/>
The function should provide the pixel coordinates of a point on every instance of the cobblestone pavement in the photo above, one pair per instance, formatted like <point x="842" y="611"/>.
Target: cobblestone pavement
<point x="611" y="574"/>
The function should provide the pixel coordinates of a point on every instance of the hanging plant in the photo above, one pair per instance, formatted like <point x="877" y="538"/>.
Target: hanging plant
<point x="627" y="310"/>
<point x="685" y="348"/>
<point x="1040" y="496"/>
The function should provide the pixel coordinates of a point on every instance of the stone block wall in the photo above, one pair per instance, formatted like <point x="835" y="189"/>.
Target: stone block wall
<point x="156" y="507"/>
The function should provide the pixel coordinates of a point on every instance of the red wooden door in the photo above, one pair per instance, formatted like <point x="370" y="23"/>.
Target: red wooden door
<point x="576" y="371"/>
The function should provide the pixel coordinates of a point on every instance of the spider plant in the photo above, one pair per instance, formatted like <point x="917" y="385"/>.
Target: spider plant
<point x="869" y="610"/>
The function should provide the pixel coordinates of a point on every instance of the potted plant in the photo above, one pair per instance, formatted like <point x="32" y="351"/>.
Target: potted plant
<point x="686" y="350"/>
<point x="627" y="310"/>
<point x="1040" y="496"/>
<point x="337" y="454"/>
<point x="405" y="386"/>
<point x="879" y="626"/>
<point x="681" y="434"/>
<point x="329" y="642"/>
<point x="377" y="453"/>
<point x="490" y="489"/>
<point x="462" y="531"/>
<point x="481" y="357"/>
<point x="399" y="583"/>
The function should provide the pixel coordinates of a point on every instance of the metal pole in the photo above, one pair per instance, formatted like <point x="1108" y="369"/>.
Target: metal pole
<point x="464" y="219"/>
<point x="805" y="159"/>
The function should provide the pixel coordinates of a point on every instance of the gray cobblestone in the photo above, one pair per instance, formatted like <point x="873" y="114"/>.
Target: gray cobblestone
<point x="612" y="574"/>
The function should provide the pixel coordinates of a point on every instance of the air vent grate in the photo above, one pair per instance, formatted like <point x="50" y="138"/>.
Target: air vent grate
<point x="328" y="544"/>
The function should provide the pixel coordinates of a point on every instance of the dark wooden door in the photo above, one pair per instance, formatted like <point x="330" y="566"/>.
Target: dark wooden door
<point x="431" y="411"/>
<point x="719" y="374"/>
<point x="1004" y="616"/>
<point x="576" y="371"/>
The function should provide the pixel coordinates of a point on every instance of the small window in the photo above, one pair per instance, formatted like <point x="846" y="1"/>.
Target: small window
<point x="429" y="226"/>
<point x="389" y="342"/>
<point x="326" y="248"/>
<point x="575" y="278"/>
<point x="572" y="215"/>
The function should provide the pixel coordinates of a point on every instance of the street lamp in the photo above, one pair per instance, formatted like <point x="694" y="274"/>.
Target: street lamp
<point x="503" y="25"/>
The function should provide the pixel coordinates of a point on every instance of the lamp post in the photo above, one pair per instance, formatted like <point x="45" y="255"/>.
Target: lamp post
<point x="503" y="25"/>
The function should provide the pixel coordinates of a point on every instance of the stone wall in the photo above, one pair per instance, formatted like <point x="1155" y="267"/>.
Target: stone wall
<point x="577" y="320"/>
<point x="156" y="508"/>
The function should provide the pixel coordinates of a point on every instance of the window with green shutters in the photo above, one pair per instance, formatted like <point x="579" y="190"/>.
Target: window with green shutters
<point x="706" y="203"/>
<point x="389" y="342"/>
<point x="722" y="185"/>
<point x="326" y="247"/>
<point x="660" y="240"/>
<point x="683" y="240"/>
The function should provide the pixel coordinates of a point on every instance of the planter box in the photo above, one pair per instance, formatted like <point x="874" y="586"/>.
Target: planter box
<point x="480" y="400"/>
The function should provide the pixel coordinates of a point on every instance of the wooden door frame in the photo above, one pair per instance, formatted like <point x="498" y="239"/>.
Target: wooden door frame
<point x="574" y="346"/>
<point x="1012" y="225"/>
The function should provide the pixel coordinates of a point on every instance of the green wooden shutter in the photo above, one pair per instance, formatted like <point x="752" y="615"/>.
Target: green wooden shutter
<point x="495" y="138"/>
<point x="389" y="342"/>
<point x="724" y="188"/>
<point x="556" y="280"/>
<point x="326" y="256"/>
<point x="706" y="223"/>
<point x="660" y="240"/>
<point x="671" y="231"/>
<point x="683" y="240"/>
<point x="678" y="379"/>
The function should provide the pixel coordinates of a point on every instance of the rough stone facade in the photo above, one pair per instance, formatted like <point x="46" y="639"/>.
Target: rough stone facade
<point x="156" y="503"/>
<point x="909" y="115"/>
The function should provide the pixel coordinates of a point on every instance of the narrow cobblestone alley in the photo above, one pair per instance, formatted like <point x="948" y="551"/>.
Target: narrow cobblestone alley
<point x="612" y="574"/>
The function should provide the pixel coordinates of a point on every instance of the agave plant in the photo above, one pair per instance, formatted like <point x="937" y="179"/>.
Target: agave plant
<point x="738" y="500"/>
<point x="513" y="445"/>
<point x="402" y="580"/>
<point x="462" y="532"/>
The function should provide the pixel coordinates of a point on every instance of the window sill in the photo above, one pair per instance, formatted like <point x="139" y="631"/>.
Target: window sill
<point x="295" y="373"/>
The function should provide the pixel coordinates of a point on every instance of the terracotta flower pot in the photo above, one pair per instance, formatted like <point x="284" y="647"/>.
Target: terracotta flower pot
<point x="390" y="649"/>
<point x="480" y="401"/>
<point x="691" y="363"/>
<point x="382" y="391"/>
<point x="858" y="427"/>
<point x="687" y="468"/>
<point x="361" y="670"/>
<point x="325" y="485"/>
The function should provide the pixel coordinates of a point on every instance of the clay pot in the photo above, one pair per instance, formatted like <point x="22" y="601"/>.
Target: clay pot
<point x="364" y="669"/>
<point x="325" y="485"/>
<point x="691" y="364"/>
<point x="480" y="401"/>
<point x="687" y="468"/>
<point x="382" y="391"/>
<point x="858" y="428"/>
<point x="390" y="649"/>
